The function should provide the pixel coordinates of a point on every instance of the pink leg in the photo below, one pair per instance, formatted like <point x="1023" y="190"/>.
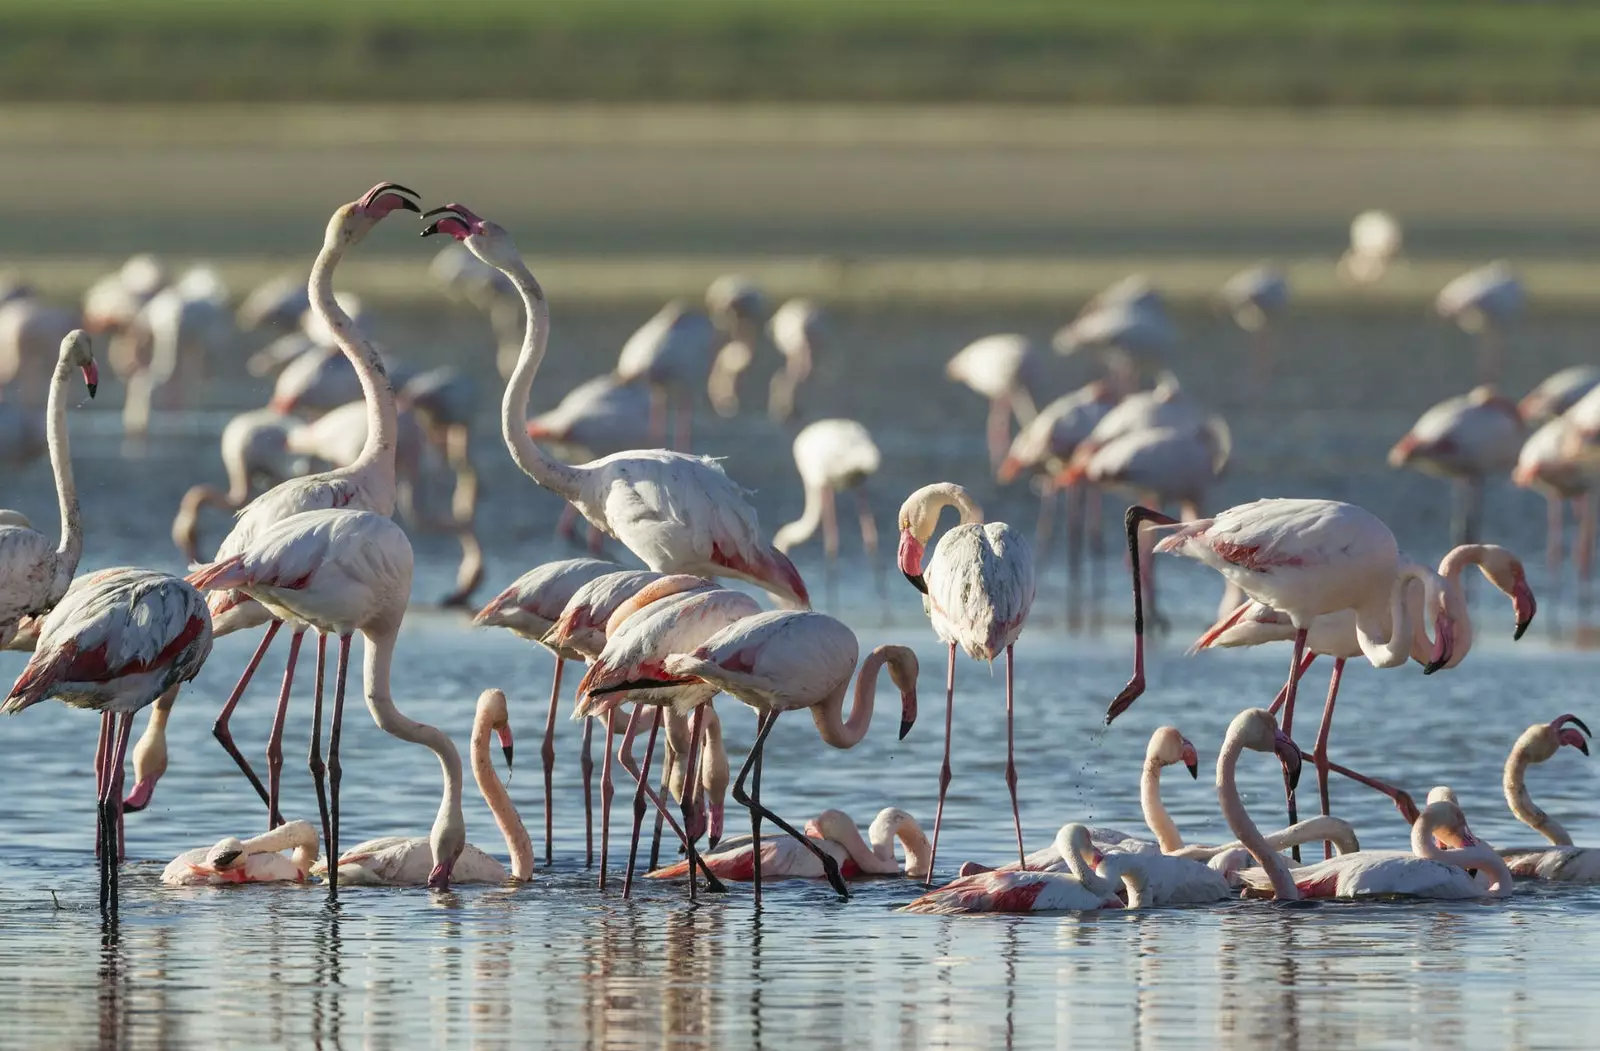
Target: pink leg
<point x="1583" y="554"/>
<point x="219" y="729"/>
<point x="658" y="416"/>
<point x="1135" y="517"/>
<point x="275" y="739"/>
<point x="830" y="867"/>
<point x="1011" y="762"/>
<point x="1320" y="753"/>
<point x="944" y="768"/>
<point x="1283" y="694"/>
<point x="1552" y="546"/>
<point x="587" y="765"/>
<point x="102" y="768"/>
<point x="110" y="811"/>
<point x="607" y="791"/>
<point x="1288" y="721"/>
<point x="567" y="525"/>
<point x="1045" y="525"/>
<point x="668" y="763"/>
<point x="547" y="754"/>
<point x="999" y="431"/>
<point x="644" y="792"/>
<point x="319" y="771"/>
<point x="869" y="542"/>
<point x="693" y="820"/>
<point x="334" y="769"/>
<point x="597" y="541"/>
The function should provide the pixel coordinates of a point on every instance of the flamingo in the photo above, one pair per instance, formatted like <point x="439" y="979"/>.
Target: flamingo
<point x="664" y="617"/>
<point x="1465" y="439"/>
<point x="1002" y="369"/>
<point x="596" y="418"/>
<point x="1375" y="240"/>
<point x="309" y="334"/>
<point x="833" y="456"/>
<point x="1335" y="635"/>
<point x="1304" y="558"/>
<point x="257" y="860"/>
<point x="1161" y="465"/>
<point x="1561" y="861"/>
<point x="1079" y="890"/>
<point x="181" y="325"/>
<point x="977" y="591"/>
<point x="23" y="435"/>
<point x="1547" y="463"/>
<point x="530" y="607"/>
<point x="785" y="661"/>
<point x="31" y="332"/>
<point x="712" y="794"/>
<point x="341" y="571"/>
<point x="1483" y="302"/>
<point x="735" y="305"/>
<point x="412" y="861"/>
<point x="114" y="645"/>
<point x="669" y="353"/>
<point x="1557" y="393"/>
<point x="277" y="303"/>
<point x="1128" y="324"/>
<point x="255" y="449"/>
<point x="677" y="513"/>
<point x="833" y="830"/>
<point x="468" y="279"/>
<point x="797" y="328"/>
<point x="34" y="574"/>
<point x="1256" y="299"/>
<point x="368" y="483"/>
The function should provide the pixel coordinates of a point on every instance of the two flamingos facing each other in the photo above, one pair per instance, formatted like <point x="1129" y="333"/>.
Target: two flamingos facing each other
<point x="858" y="857"/>
<point x="977" y="589"/>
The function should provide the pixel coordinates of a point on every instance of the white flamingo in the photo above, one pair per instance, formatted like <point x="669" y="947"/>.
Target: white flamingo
<point x="1375" y="241"/>
<point x="411" y="861"/>
<point x="670" y="353"/>
<point x="596" y="418"/>
<point x="677" y="513"/>
<point x="113" y="646"/>
<point x="1557" y="393"/>
<point x="1081" y="889"/>
<point x="276" y="304"/>
<point x="977" y="590"/>
<point x="1484" y="302"/>
<point x="1551" y="462"/>
<point x="833" y="830"/>
<point x="1256" y="299"/>
<point x="255" y="860"/>
<point x="255" y="455"/>
<point x="1002" y="369"/>
<point x="31" y="332"/>
<point x="735" y="305"/>
<point x="833" y="456"/>
<point x="798" y="327"/>
<point x="1561" y="861"/>
<point x="34" y="573"/>
<point x="1466" y="439"/>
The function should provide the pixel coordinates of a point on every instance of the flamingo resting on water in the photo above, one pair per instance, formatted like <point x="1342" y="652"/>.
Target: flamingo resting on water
<point x="977" y="590"/>
<point x="255" y="860"/>
<point x="1561" y="861"/>
<point x="857" y="856"/>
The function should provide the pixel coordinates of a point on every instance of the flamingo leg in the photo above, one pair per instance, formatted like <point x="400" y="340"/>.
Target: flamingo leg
<point x="668" y="763"/>
<point x="1136" y="516"/>
<point x="275" y="739"/>
<point x="567" y="524"/>
<point x="686" y="804"/>
<point x="319" y="770"/>
<point x="334" y="770"/>
<point x="110" y="811"/>
<point x="1011" y="762"/>
<point x="586" y="762"/>
<point x="597" y="541"/>
<point x="547" y="755"/>
<point x="1288" y="722"/>
<point x="1283" y="694"/>
<point x="1077" y="501"/>
<point x="869" y="542"/>
<point x="768" y="720"/>
<point x="1320" y="753"/>
<point x="219" y="729"/>
<point x="1044" y="526"/>
<point x="1583" y="551"/>
<point x="607" y="791"/>
<point x="658" y="416"/>
<point x="944" y="768"/>
<point x="999" y="430"/>
<point x="1554" y="527"/>
<point x="117" y="776"/>
<point x="102" y="765"/>
<point x="642" y="776"/>
<point x="830" y="546"/>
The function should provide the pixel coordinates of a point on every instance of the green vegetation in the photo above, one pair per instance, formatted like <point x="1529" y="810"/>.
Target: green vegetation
<point x="1298" y="52"/>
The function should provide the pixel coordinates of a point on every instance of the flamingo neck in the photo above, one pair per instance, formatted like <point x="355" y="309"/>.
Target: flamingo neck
<point x="297" y="834"/>
<point x="1074" y="844"/>
<point x="1244" y="829"/>
<point x="867" y="858"/>
<point x="1389" y="644"/>
<point x="71" y="545"/>
<point x="449" y="824"/>
<point x="919" y="853"/>
<point x="935" y="498"/>
<point x="826" y="713"/>
<point x="803" y="528"/>
<point x="518" y="846"/>
<point x="1514" y="782"/>
<point x="1483" y="857"/>
<point x="1455" y="598"/>
<point x="377" y="453"/>
<point x="559" y="478"/>
<point x="1156" y="817"/>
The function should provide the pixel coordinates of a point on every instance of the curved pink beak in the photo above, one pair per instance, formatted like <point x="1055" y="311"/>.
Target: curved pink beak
<point x="910" y="559"/>
<point x="1191" y="759"/>
<point x="1443" y="644"/>
<point x="139" y="797"/>
<point x="1522" y="601"/>
<point x="91" y="377"/>
<point x="439" y="878"/>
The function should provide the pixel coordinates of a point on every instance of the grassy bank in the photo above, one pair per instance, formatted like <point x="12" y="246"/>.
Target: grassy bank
<point x="1297" y="52"/>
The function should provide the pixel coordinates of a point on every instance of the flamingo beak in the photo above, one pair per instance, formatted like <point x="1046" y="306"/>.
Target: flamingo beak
<point x="504" y="733"/>
<point x="910" y="559"/>
<point x="139" y="797"/>
<point x="1523" y="602"/>
<point x="908" y="712"/>
<point x="714" y="825"/>
<point x="91" y="378"/>
<point x="1444" y="636"/>
<point x="439" y="878"/>
<point x="1191" y="760"/>
<point x="226" y="858"/>
<point x="1289" y="754"/>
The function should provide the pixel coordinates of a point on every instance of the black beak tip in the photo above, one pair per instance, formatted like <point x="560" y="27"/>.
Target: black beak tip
<point x="92" y="388"/>
<point x="1194" y="770"/>
<point x="917" y="581"/>
<point x="1580" y="725"/>
<point x="1522" y="627"/>
<point x="712" y="841"/>
<point x="508" y="751"/>
<point x="1584" y="748"/>
<point x="224" y="860"/>
<point x="905" y="728"/>
<point x="1435" y="666"/>
<point x="430" y="229"/>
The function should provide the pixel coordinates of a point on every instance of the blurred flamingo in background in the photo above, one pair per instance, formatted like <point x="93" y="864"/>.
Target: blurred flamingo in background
<point x="1003" y="369"/>
<point x="735" y="305"/>
<point x="1257" y="299"/>
<point x="1375" y="242"/>
<point x="1484" y="302"/>
<point x="797" y="327"/>
<point x="670" y="353"/>
<point x="834" y="456"/>
<point x="1466" y="439"/>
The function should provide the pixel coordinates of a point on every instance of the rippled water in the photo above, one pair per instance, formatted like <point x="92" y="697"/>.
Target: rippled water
<point x="557" y="964"/>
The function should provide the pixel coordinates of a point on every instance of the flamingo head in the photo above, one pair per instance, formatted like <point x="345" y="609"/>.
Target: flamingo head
<point x="1574" y="736"/>
<point x="903" y="671"/>
<point x="355" y="220"/>
<point x="1505" y="572"/>
<point x="447" y="846"/>
<point x="78" y="352"/>
<point x="910" y="558"/>
<point x="1168" y="746"/>
<point x="224" y="854"/>
<point x="1191" y="759"/>
<point x="493" y="712"/>
<point x="1443" y="642"/>
<point x="1289" y="754"/>
<point x="485" y="239"/>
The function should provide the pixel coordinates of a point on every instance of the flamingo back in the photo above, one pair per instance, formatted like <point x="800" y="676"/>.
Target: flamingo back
<point x="533" y="603"/>
<point x="582" y="622"/>
<point x="980" y="587"/>
<point x="782" y="660"/>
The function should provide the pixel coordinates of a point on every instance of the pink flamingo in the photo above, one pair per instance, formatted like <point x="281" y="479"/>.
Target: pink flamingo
<point x="1557" y="393"/>
<point x="735" y="305"/>
<point x="1003" y="369"/>
<point x="1304" y="558"/>
<point x="785" y="661"/>
<point x="670" y="353"/>
<point x="677" y="513"/>
<point x="114" y="645"/>
<point x="596" y="418"/>
<point x="530" y="607"/>
<point x="1080" y="889"/>
<point x="1466" y="439"/>
<point x="833" y="456"/>
<point x="255" y="450"/>
<point x="1484" y="302"/>
<point x="1550" y="462"/>
<point x="798" y="327"/>
<point x="409" y="861"/>
<point x="257" y="860"/>
<point x="368" y="483"/>
<point x="34" y="573"/>
<point x="977" y="590"/>
<point x="342" y="571"/>
<point x="1561" y="861"/>
<point x="1257" y="299"/>
<point x="834" y="831"/>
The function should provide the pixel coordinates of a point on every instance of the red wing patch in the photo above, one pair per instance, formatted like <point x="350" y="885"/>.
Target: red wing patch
<point x="776" y="569"/>
<point x="850" y="870"/>
<point x="1326" y="886"/>
<point x="1019" y="897"/>
<point x="1248" y="556"/>
<point x="42" y="672"/>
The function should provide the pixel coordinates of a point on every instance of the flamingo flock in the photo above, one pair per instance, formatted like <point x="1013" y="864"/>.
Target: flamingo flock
<point x="324" y="552"/>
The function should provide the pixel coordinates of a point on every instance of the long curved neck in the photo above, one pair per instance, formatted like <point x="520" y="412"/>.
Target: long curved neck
<point x="866" y="857"/>
<point x="1245" y="830"/>
<point x="71" y="545"/>
<point x="297" y="834"/>
<point x="919" y="854"/>
<point x="554" y="475"/>
<point x="946" y="495"/>
<point x="1079" y="865"/>
<point x="1156" y="817"/>
<point x="377" y="453"/>
<point x="1455" y="596"/>
<point x="375" y="680"/>
<point x="1514" y="782"/>
<point x="849" y="732"/>
<point x="518" y="846"/>
<point x="803" y="528"/>
<point x="1388" y="645"/>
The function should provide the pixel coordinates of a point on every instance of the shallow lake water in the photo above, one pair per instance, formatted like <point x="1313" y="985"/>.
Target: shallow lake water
<point x="555" y="963"/>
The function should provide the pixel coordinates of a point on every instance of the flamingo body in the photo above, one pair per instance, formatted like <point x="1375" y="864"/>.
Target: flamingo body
<point x="533" y="603"/>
